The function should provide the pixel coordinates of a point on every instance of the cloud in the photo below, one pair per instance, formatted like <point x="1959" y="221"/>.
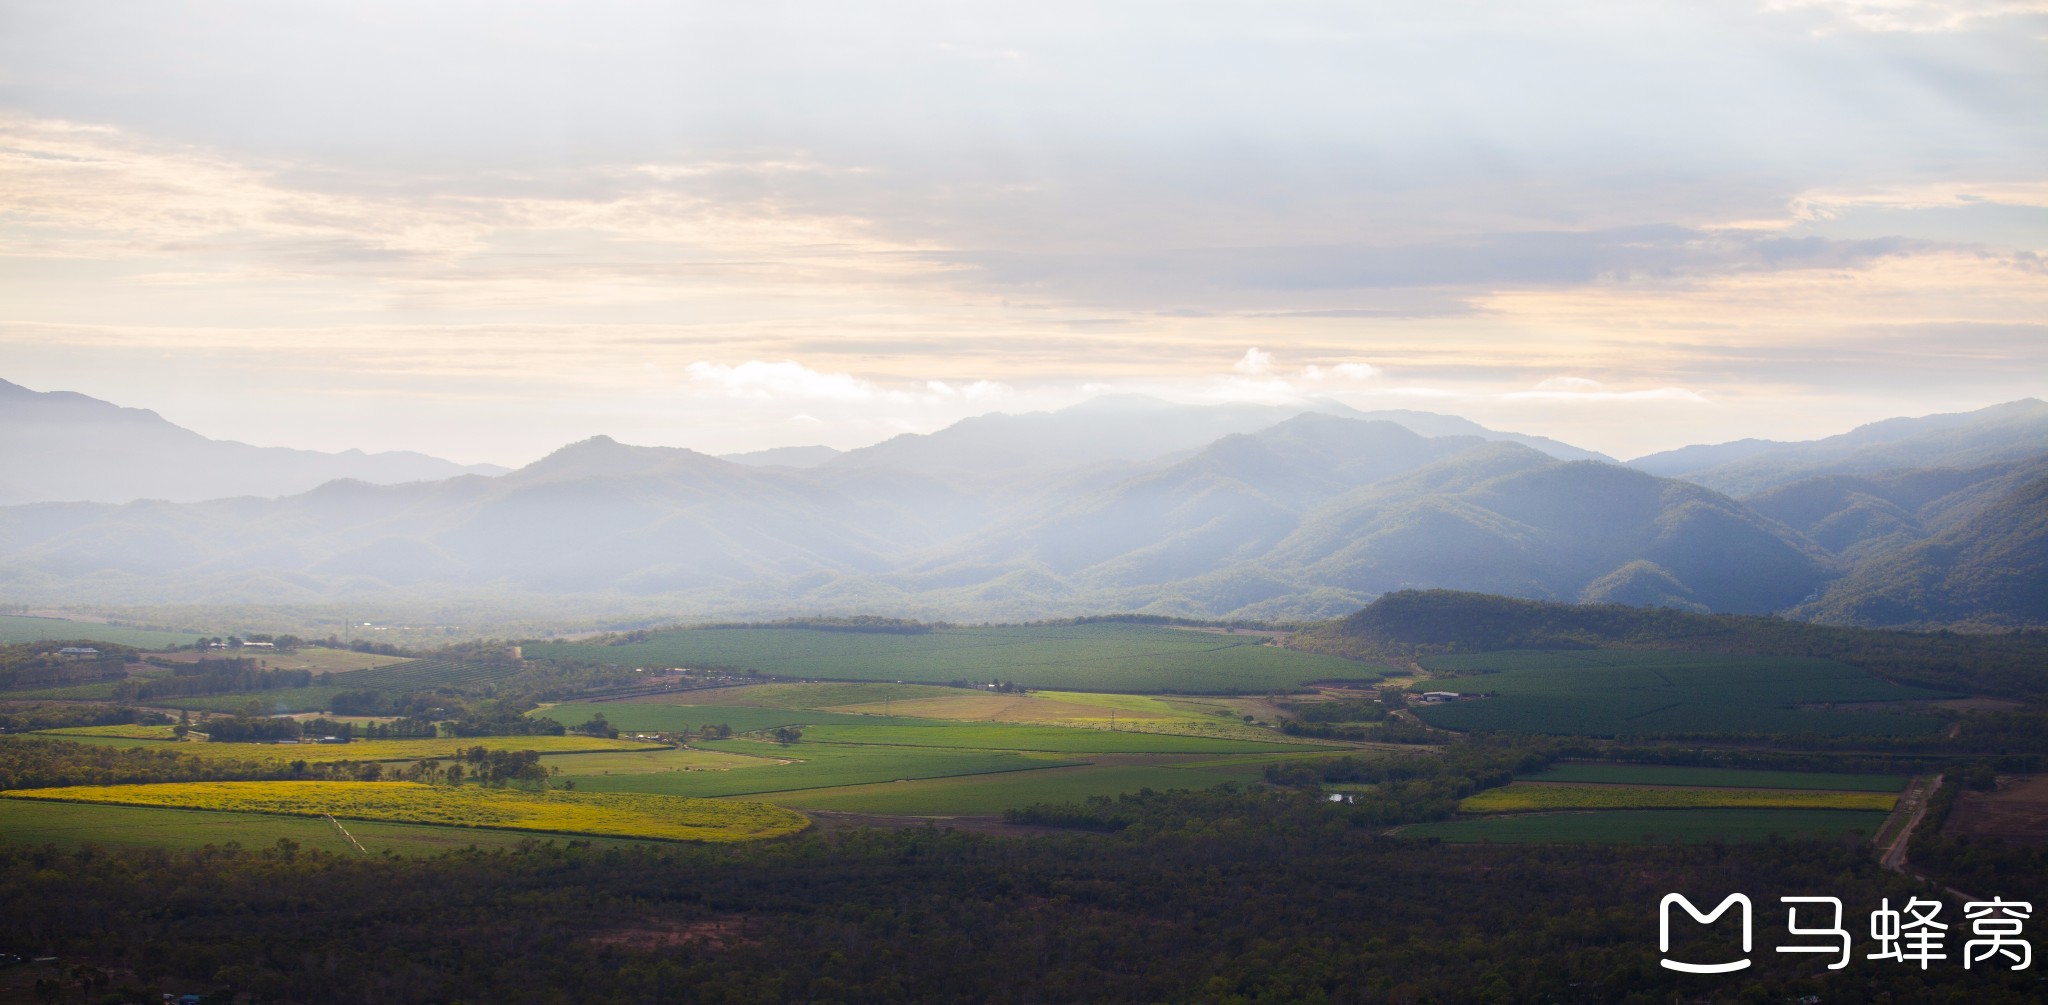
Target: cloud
<point x="980" y="390"/>
<point x="1586" y="390"/>
<point x="1910" y="15"/>
<point x="1255" y="362"/>
<point x="786" y="379"/>
<point x="1340" y="371"/>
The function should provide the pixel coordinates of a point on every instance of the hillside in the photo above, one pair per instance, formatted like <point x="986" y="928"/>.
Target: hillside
<point x="1306" y="518"/>
<point x="1411" y="624"/>
<point x="2012" y="431"/>
<point x="62" y="447"/>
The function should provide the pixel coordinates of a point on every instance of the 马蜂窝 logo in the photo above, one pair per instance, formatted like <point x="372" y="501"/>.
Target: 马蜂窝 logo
<point x="1908" y="934"/>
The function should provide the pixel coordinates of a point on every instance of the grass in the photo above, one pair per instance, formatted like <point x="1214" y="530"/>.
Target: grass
<point x="1523" y="798"/>
<point x="1659" y="774"/>
<point x="1039" y="738"/>
<point x="1620" y="693"/>
<point x="320" y="659"/>
<point x="652" y="718"/>
<point x="377" y="750"/>
<point x="671" y="818"/>
<point x="1679" y="826"/>
<point x="983" y="706"/>
<point x="71" y="825"/>
<point x="20" y="628"/>
<point x="808" y="767"/>
<point x="983" y="795"/>
<point x="1091" y="657"/>
<point x="129" y="732"/>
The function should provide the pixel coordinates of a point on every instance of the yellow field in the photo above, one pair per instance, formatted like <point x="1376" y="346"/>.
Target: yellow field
<point x="122" y="732"/>
<point x="1526" y="798"/>
<point x="404" y="750"/>
<point x="646" y="762"/>
<point x="607" y="814"/>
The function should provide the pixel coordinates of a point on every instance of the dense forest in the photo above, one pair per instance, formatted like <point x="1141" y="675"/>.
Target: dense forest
<point x="1402" y="626"/>
<point x="1215" y="897"/>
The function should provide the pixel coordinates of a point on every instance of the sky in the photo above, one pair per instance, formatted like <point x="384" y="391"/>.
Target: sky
<point x="483" y="230"/>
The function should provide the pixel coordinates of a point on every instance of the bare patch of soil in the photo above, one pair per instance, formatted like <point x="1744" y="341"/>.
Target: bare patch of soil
<point x="651" y="936"/>
<point x="2016" y="811"/>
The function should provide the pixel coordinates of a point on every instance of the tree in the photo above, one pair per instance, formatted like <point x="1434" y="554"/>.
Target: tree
<point x="787" y="735"/>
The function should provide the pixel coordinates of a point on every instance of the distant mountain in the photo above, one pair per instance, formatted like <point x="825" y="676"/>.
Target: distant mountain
<point x="2012" y="431"/>
<point x="1700" y="457"/>
<point x="1987" y="568"/>
<point x="1090" y="509"/>
<point x="1119" y="429"/>
<point x="63" y="446"/>
<point x="788" y="457"/>
<point x="1298" y="519"/>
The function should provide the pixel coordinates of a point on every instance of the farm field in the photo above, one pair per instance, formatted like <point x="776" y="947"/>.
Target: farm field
<point x="907" y="703"/>
<point x="1658" y="774"/>
<point x="378" y="750"/>
<point x="2016" y="812"/>
<point x="775" y="769"/>
<point x="1618" y="693"/>
<point x="320" y="659"/>
<point x="1523" y="797"/>
<point x="1671" y="826"/>
<point x="652" y="718"/>
<point x="18" y="628"/>
<point x="70" y="825"/>
<point x="1041" y="738"/>
<point x="1090" y="657"/>
<point x="130" y="732"/>
<point x="671" y="818"/>
<point x="983" y="795"/>
<point x="392" y="675"/>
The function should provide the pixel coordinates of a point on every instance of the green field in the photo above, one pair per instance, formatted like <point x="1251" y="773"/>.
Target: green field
<point x="364" y="750"/>
<point x="1618" y="693"/>
<point x="809" y="767"/>
<point x="1092" y="657"/>
<point x="984" y="795"/>
<point x="1525" y="797"/>
<point x="70" y="825"/>
<point x="1695" y="826"/>
<point x="1040" y="738"/>
<point x="1658" y="774"/>
<point x="652" y="718"/>
<point x="16" y="628"/>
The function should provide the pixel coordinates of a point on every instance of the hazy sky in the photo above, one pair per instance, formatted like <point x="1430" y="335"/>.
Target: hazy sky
<point x="486" y="229"/>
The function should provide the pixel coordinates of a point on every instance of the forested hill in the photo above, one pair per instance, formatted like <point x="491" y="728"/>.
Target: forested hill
<point x="1411" y="623"/>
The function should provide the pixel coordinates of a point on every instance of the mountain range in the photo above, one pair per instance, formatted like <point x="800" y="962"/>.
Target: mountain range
<point x="61" y="446"/>
<point x="1118" y="504"/>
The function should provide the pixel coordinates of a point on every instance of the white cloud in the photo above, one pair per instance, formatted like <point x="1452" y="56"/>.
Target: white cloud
<point x="786" y="379"/>
<point x="1910" y="15"/>
<point x="1569" y="384"/>
<point x="980" y="390"/>
<point x="1341" y="371"/>
<point x="1255" y="361"/>
<point x="1583" y="389"/>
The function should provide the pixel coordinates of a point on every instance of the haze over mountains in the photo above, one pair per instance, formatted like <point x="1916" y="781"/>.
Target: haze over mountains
<point x="1118" y="504"/>
<point x="61" y="446"/>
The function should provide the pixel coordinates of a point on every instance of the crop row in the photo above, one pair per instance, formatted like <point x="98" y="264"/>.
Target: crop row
<point x="1524" y="798"/>
<point x="673" y="818"/>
